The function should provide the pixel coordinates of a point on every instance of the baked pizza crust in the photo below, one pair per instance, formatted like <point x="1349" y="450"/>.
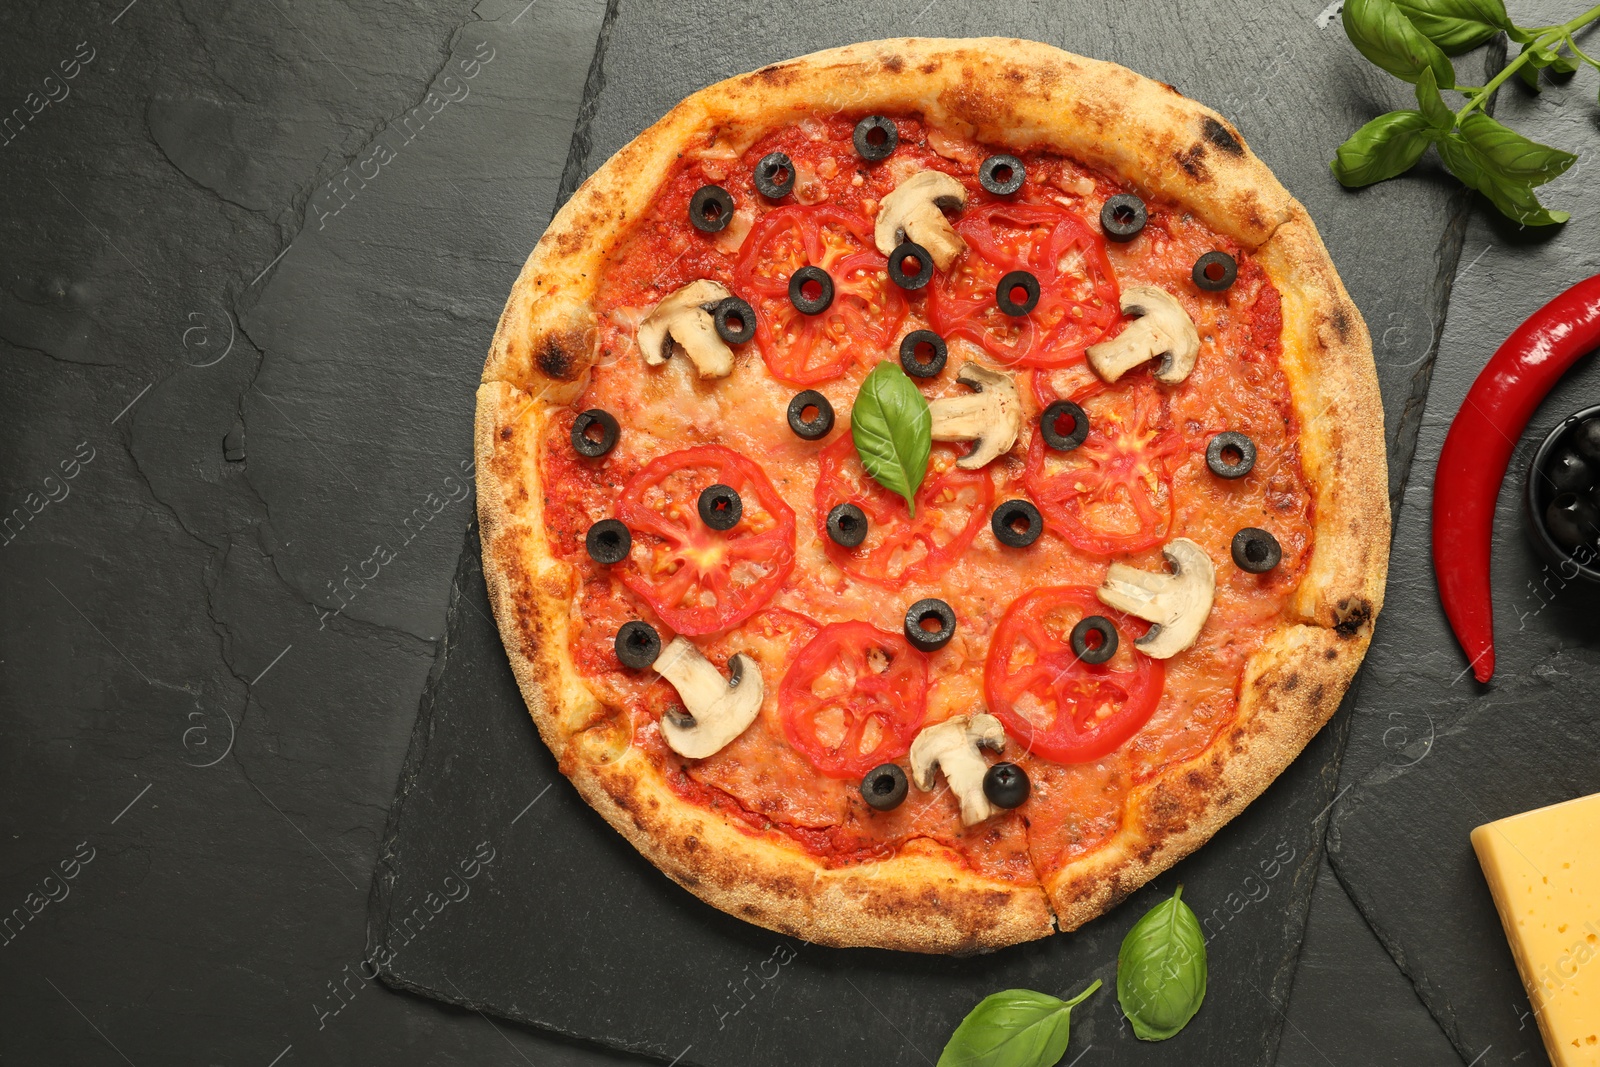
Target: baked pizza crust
<point x="1021" y="94"/>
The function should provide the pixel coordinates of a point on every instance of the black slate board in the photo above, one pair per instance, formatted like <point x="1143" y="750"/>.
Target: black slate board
<point x="1432" y="753"/>
<point x="555" y="940"/>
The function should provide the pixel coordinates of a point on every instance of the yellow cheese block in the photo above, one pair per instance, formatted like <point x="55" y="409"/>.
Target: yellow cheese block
<point x="1543" y="868"/>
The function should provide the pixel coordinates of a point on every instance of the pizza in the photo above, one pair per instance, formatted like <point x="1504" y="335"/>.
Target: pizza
<point x="928" y="487"/>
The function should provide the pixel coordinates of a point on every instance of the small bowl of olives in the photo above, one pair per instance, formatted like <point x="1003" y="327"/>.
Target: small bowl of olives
<point x="1563" y="495"/>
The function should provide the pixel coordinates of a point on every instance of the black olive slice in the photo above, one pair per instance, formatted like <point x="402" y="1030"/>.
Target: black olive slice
<point x="1122" y="217"/>
<point x="774" y="175"/>
<point x="638" y="644"/>
<point x="810" y="290"/>
<point x="1256" y="550"/>
<point x="1215" y="271"/>
<point x="587" y="445"/>
<point x="1005" y="294"/>
<point x="923" y="354"/>
<point x="1006" y="785"/>
<point x="1568" y="472"/>
<point x="608" y="541"/>
<point x="1051" y="418"/>
<point x="735" y="320"/>
<point x="910" y="250"/>
<point x="847" y="525"/>
<point x="816" y="426"/>
<point x="1094" y="639"/>
<point x="1016" y="523"/>
<point x="884" y="787"/>
<point x="1230" y="454"/>
<point x="875" y="138"/>
<point x="720" y="507"/>
<point x="923" y="612"/>
<point x="1001" y="175"/>
<point x="1572" y="520"/>
<point x="710" y="209"/>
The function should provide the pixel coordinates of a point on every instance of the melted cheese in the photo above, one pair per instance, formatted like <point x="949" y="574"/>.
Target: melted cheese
<point x="1543" y="868"/>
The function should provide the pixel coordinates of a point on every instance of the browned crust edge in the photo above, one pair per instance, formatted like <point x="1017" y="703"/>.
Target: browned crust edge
<point x="1010" y="92"/>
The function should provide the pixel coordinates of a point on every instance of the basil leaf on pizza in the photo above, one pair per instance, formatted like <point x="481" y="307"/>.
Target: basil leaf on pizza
<point x="1063" y="554"/>
<point x="1013" y="1028"/>
<point x="893" y="431"/>
<point x="1161" y="970"/>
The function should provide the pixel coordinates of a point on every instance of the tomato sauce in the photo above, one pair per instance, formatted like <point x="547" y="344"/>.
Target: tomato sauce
<point x="1139" y="479"/>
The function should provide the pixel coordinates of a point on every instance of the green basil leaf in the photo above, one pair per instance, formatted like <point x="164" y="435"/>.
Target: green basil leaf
<point x="1456" y="25"/>
<point x="1388" y="145"/>
<point x="1510" y="155"/>
<point x="1381" y="32"/>
<point x="1529" y="73"/>
<point x="1432" y="104"/>
<point x="1513" y="197"/>
<point x="1013" y="1028"/>
<point x="893" y="430"/>
<point x="1161" y="970"/>
<point x="1564" y="64"/>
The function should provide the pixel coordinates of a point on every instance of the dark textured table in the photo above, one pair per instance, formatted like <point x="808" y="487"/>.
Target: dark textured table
<point x="253" y="256"/>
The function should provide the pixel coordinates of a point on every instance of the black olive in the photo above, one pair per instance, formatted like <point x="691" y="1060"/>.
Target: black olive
<point x="774" y="175"/>
<point x="876" y="138"/>
<point x="926" y="611"/>
<point x="710" y="208"/>
<point x="1122" y="217"/>
<point x="735" y="321"/>
<point x="720" y="507"/>
<point x="1094" y="639"/>
<point x="1016" y="523"/>
<point x="884" y="787"/>
<point x="922" y="353"/>
<point x="1222" y="449"/>
<point x="818" y="425"/>
<point x="1001" y="175"/>
<point x="897" y="266"/>
<point x="817" y="278"/>
<point x="1050" y="420"/>
<point x="1006" y="785"/>
<point x="1215" y="271"/>
<point x="1568" y="472"/>
<point x="1572" y="520"/>
<point x="608" y="541"/>
<point x="1255" y="550"/>
<point x="1005" y="293"/>
<point x="638" y="644"/>
<point x="847" y="525"/>
<point x="591" y="446"/>
<point x="1586" y="439"/>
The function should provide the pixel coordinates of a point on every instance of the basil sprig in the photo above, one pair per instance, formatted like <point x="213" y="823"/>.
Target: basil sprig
<point x="1413" y="40"/>
<point x="893" y="431"/>
<point x="1013" y="1028"/>
<point x="1161" y="970"/>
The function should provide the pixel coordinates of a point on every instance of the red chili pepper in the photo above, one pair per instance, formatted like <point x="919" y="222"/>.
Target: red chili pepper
<point x="1478" y="448"/>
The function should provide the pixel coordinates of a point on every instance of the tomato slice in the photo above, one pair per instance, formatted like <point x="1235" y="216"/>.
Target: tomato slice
<point x="867" y="307"/>
<point x="1113" y="493"/>
<point x="1078" y="295"/>
<point x="854" y="697"/>
<point x="1050" y="701"/>
<point x="699" y="580"/>
<point x="952" y="506"/>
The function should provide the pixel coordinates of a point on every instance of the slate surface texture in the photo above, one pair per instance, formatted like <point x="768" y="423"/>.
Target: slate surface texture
<point x="584" y="969"/>
<point x="253" y="254"/>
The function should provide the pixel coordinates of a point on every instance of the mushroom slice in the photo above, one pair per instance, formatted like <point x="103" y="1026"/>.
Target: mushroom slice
<point x="719" y="708"/>
<point x="683" y="322"/>
<point x="952" y="746"/>
<point x="912" y="213"/>
<point x="1177" y="603"/>
<point x="1161" y="330"/>
<point x="989" y="416"/>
